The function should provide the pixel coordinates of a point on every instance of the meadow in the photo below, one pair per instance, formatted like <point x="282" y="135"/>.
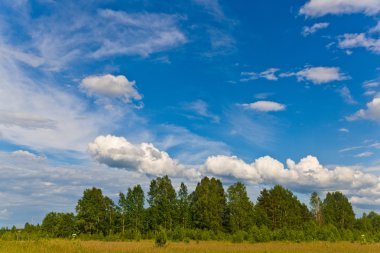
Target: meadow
<point x="73" y="246"/>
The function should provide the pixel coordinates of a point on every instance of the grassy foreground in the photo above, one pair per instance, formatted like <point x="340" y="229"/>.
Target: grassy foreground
<point x="66" y="246"/>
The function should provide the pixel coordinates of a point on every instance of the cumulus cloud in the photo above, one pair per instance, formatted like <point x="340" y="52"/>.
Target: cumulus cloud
<point x="144" y="158"/>
<point x="318" y="75"/>
<point x="372" y="112"/>
<point x="111" y="86"/>
<point x="318" y="8"/>
<point x="307" y="175"/>
<point x="359" y="40"/>
<point x="308" y="30"/>
<point x="265" y="106"/>
<point x="269" y="74"/>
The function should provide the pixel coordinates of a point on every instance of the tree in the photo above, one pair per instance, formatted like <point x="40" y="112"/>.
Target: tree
<point x="316" y="208"/>
<point x="208" y="204"/>
<point x="59" y="224"/>
<point x="337" y="210"/>
<point x="183" y="206"/>
<point x="239" y="208"/>
<point x="132" y="208"/>
<point x="283" y="209"/>
<point x="162" y="201"/>
<point x="95" y="212"/>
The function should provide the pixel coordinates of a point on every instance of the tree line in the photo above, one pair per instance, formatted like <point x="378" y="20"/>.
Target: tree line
<point x="207" y="213"/>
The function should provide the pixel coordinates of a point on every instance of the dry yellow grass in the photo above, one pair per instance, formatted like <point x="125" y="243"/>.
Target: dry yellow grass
<point x="66" y="246"/>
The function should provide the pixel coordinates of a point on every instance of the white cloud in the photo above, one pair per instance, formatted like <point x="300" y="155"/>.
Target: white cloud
<point x="269" y="74"/>
<point x="376" y="28"/>
<point x="146" y="33"/>
<point x="356" y="40"/>
<point x="4" y="214"/>
<point x="263" y="95"/>
<point x="372" y="112"/>
<point x="200" y="107"/>
<point x="307" y="175"/>
<point x="25" y="120"/>
<point x="344" y="130"/>
<point x="111" y="86"/>
<point x="371" y="84"/>
<point x="186" y="146"/>
<point x="212" y="6"/>
<point x="318" y="8"/>
<point x="265" y="106"/>
<point x="144" y="158"/>
<point x="230" y="166"/>
<point x="28" y="155"/>
<point x="40" y="114"/>
<point x="318" y="75"/>
<point x="74" y="35"/>
<point x="345" y="93"/>
<point x="31" y="188"/>
<point x="308" y="30"/>
<point x="364" y="154"/>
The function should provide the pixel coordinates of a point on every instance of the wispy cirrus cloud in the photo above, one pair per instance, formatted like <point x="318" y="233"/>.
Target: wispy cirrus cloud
<point x="345" y="93"/>
<point x="315" y="75"/>
<point x="68" y="35"/>
<point x="201" y="109"/>
<point x="269" y="74"/>
<point x="212" y="6"/>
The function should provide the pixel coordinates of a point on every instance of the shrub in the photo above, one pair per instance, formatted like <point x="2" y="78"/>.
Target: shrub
<point x="238" y="237"/>
<point x="161" y="238"/>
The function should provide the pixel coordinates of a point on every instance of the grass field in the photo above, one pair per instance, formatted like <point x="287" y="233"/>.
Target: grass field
<point x="66" y="246"/>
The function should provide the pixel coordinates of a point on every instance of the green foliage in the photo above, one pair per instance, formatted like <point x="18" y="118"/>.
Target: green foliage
<point x="240" y="214"/>
<point x="208" y="213"/>
<point x="57" y="225"/>
<point x="183" y="207"/>
<point x="209" y="205"/>
<point x="161" y="238"/>
<point x="162" y="201"/>
<point x="239" y="236"/>
<point x="95" y="212"/>
<point x="316" y="208"/>
<point x="282" y="208"/>
<point x="337" y="210"/>
<point x="131" y="208"/>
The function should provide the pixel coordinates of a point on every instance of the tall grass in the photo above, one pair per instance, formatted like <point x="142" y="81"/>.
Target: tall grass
<point x="76" y="246"/>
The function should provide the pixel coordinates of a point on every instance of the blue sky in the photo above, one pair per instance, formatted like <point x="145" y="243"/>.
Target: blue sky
<point x="110" y="94"/>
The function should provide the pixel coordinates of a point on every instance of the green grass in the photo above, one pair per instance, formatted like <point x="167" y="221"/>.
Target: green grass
<point x="67" y="246"/>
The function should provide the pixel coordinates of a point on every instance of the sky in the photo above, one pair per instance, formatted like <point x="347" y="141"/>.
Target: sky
<point x="114" y="93"/>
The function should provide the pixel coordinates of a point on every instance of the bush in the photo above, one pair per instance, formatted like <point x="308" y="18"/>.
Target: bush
<point x="161" y="238"/>
<point x="238" y="237"/>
